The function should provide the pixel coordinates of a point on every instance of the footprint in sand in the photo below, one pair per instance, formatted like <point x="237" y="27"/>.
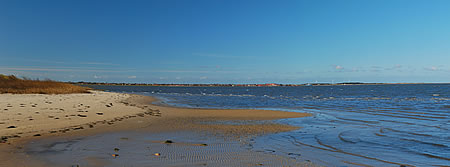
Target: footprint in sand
<point x="109" y="105"/>
<point x="80" y="115"/>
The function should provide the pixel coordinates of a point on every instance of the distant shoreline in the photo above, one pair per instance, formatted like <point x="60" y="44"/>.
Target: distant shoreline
<point x="248" y="85"/>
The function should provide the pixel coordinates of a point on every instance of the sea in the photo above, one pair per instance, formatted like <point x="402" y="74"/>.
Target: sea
<point x="351" y="125"/>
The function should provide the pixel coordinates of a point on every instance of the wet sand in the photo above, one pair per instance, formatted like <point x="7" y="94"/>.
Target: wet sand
<point x="185" y="148"/>
<point x="28" y="119"/>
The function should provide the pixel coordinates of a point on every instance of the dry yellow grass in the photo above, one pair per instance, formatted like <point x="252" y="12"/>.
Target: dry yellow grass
<point x="12" y="84"/>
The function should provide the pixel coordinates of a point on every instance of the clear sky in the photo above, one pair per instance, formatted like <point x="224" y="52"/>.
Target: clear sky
<point x="226" y="41"/>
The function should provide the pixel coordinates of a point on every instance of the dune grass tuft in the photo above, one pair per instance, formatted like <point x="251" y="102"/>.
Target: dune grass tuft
<point x="12" y="84"/>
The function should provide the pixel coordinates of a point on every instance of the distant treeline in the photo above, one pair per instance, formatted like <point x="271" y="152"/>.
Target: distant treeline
<point x="221" y="85"/>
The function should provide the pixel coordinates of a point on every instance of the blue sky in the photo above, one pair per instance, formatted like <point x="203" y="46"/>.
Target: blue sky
<point x="226" y="41"/>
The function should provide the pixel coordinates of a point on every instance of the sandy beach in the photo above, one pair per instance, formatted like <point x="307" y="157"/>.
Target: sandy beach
<point x="29" y="118"/>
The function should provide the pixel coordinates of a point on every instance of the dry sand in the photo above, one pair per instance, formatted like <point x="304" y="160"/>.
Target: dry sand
<point x="30" y="117"/>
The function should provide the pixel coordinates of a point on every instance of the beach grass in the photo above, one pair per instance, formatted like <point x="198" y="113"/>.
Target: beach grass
<point x="15" y="85"/>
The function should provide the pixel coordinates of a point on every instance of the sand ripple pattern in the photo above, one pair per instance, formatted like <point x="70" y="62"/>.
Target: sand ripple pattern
<point x="138" y="149"/>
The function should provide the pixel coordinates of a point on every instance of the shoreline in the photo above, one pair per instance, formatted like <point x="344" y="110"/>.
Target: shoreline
<point x="125" y="112"/>
<point x="251" y="85"/>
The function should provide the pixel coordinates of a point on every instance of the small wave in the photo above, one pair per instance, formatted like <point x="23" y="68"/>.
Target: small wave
<point x="414" y="112"/>
<point x="379" y="134"/>
<point x="341" y="151"/>
<point x="341" y="137"/>
<point x="424" y="142"/>
<point x="441" y="99"/>
<point x="411" y="114"/>
<point x="433" y="156"/>
<point x="205" y="94"/>
<point x="390" y="115"/>
<point x="407" y="123"/>
<point x="325" y="145"/>
<point x="364" y="98"/>
<point x="383" y="130"/>
<point x="357" y="120"/>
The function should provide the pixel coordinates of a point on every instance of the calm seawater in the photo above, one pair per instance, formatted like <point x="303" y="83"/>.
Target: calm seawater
<point x="379" y="125"/>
